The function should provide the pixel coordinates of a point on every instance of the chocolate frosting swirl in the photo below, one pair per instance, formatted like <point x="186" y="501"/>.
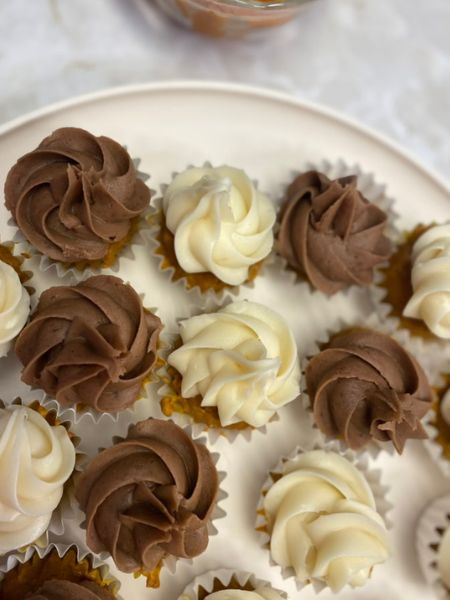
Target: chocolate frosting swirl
<point x="365" y="386"/>
<point x="148" y="496"/>
<point x="75" y="194"/>
<point x="330" y="233"/>
<point x="57" y="589"/>
<point x="92" y="343"/>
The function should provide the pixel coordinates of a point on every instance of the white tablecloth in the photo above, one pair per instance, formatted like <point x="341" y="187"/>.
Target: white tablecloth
<point x="385" y="62"/>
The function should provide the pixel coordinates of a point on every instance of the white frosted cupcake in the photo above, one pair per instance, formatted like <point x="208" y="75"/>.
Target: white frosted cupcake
<point x="213" y="228"/>
<point x="230" y="585"/>
<point x="14" y="297"/>
<point x="414" y="288"/>
<point x="37" y="458"/>
<point x="234" y="368"/>
<point x="322" y="521"/>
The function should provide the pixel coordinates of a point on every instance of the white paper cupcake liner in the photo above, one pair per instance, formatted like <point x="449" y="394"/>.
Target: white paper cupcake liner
<point x="71" y="273"/>
<point x="199" y="428"/>
<point x="361" y="462"/>
<point x="10" y="561"/>
<point x="369" y="187"/>
<point x="434" y="448"/>
<point x="195" y="293"/>
<point x="170" y="562"/>
<point x="434" y="520"/>
<point x="66" y="509"/>
<point x="225" y="576"/>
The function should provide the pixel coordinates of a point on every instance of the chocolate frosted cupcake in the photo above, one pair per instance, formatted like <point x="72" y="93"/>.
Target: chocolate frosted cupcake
<point x="148" y="497"/>
<point x="330" y="233"/>
<point x="213" y="228"/>
<point x="365" y="387"/>
<point x="58" y="572"/>
<point x="90" y="345"/>
<point x="77" y="198"/>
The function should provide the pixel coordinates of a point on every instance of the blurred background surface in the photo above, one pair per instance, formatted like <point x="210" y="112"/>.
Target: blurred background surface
<point x="384" y="62"/>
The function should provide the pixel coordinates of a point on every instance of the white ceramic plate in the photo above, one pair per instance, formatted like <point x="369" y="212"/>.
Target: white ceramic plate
<point x="170" y="126"/>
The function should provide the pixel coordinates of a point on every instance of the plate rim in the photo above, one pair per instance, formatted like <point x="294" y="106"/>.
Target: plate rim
<point x="224" y="87"/>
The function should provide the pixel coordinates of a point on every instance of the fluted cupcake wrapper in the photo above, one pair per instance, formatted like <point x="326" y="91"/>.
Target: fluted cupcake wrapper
<point x="171" y="562"/>
<point x="196" y="295"/>
<point x="361" y="462"/>
<point x="370" y="188"/>
<point x="72" y="273"/>
<point x="12" y="560"/>
<point x="434" y="519"/>
<point x="66" y="508"/>
<point x="200" y="428"/>
<point x="370" y="322"/>
<point x="81" y="414"/>
<point x="224" y="576"/>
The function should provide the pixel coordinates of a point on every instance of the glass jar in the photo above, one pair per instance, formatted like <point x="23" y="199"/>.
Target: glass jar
<point x="231" y="18"/>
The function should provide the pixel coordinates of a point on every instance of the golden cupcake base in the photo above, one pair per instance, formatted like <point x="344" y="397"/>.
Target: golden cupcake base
<point x="204" y="281"/>
<point x="396" y="281"/>
<point x="174" y="402"/>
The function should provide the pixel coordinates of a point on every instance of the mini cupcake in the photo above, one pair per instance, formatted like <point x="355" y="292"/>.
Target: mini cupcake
<point x="365" y="389"/>
<point x="234" y="368"/>
<point x="214" y="229"/>
<point x="330" y="234"/>
<point x="321" y="520"/>
<point x="90" y="346"/>
<point x="58" y="572"/>
<point x="230" y="585"/>
<point x="14" y="297"/>
<point x="433" y="545"/>
<point x="414" y="288"/>
<point x="37" y="458"/>
<point x="149" y="497"/>
<point x="77" y="199"/>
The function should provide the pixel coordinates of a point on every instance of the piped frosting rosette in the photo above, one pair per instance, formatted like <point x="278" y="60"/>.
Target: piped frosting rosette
<point x="433" y="545"/>
<point x="437" y="420"/>
<point x="37" y="458"/>
<point x="230" y="370"/>
<point x="225" y="584"/>
<point x="365" y="389"/>
<point x="322" y="517"/>
<point x="56" y="571"/>
<point x="420" y="267"/>
<point x="150" y="499"/>
<point x="336" y="226"/>
<point x="79" y="201"/>
<point x="91" y="347"/>
<point x="212" y="229"/>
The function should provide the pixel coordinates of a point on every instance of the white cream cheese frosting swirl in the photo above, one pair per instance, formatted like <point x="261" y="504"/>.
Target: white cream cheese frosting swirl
<point x="36" y="459"/>
<point x="221" y="223"/>
<point x="323" y="521"/>
<point x="445" y="407"/>
<point x="261" y="593"/>
<point x="242" y="359"/>
<point x="14" y="307"/>
<point x="430" y="278"/>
